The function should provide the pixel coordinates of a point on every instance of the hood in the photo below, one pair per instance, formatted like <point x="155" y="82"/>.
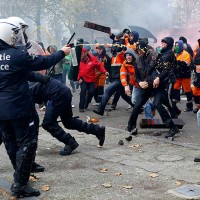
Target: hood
<point x="180" y="45"/>
<point x="183" y="39"/>
<point x="170" y="43"/>
<point x="130" y="51"/>
<point x="135" y="35"/>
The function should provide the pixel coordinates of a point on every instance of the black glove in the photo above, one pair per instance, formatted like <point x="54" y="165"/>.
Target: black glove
<point x="181" y="63"/>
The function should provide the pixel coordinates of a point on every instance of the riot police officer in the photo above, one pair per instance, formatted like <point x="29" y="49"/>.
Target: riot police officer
<point x="57" y="98"/>
<point x="16" y="116"/>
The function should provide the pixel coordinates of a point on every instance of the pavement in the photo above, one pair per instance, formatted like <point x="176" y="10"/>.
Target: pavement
<point x="148" y="167"/>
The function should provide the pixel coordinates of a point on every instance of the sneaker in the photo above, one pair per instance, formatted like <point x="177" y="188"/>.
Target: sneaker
<point x="172" y="132"/>
<point x="129" y="107"/>
<point x="114" y="106"/>
<point x="73" y="106"/>
<point x="23" y="191"/>
<point x="134" y="131"/>
<point x="98" y="112"/>
<point x="195" y="110"/>
<point x="71" y="146"/>
<point x="37" y="168"/>
<point x="188" y="109"/>
<point x="95" y="104"/>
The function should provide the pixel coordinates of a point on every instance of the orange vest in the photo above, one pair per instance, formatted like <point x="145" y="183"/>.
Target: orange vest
<point x="127" y="74"/>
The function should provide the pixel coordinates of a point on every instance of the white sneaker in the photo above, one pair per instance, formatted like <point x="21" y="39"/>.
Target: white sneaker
<point x="129" y="107"/>
<point x="96" y="104"/>
<point x="73" y="106"/>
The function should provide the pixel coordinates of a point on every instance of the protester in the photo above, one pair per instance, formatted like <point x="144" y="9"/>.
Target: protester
<point x="183" y="77"/>
<point x="86" y="78"/>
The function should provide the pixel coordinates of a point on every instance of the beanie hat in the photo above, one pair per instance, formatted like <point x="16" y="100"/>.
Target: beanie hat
<point x="84" y="50"/>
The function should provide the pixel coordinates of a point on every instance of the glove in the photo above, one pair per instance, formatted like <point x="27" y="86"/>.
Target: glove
<point x="181" y="63"/>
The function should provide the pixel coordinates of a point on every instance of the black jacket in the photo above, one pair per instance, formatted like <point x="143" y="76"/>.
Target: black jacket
<point x="15" y="62"/>
<point x="43" y="88"/>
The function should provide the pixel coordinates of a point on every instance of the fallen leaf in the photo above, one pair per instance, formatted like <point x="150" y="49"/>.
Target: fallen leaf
<point x="135" y="146"/>
<point x="128" y="186"/>
<point x="178" y="183"/>
<point x="33" y="178"/>
<point x="118" y="174"/>
<point x="153" y="175"/>
<point x="45" y="188"/>
<point x="94" y="120"/>
<point x="107" y="185"/>
<point x="104" y="170"/>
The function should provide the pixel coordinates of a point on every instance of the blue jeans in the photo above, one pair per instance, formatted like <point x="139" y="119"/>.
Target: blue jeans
<point x="147" y="106"/>
<point x="115" y="86"/>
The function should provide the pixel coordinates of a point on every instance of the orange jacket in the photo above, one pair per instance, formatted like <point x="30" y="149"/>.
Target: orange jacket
<point x="127" y="74"/>
<point x="128" y="45"/>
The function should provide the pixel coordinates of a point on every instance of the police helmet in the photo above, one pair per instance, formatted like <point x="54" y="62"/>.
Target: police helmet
<point x="12" y="30"/>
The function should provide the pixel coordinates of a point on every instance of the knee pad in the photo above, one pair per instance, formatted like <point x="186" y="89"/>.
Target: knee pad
<point x="30" y="147"/>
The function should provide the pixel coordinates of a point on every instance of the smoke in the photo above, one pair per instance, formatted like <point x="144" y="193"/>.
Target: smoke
<point x="160" y="17"/>
<point x="153" y="15"/>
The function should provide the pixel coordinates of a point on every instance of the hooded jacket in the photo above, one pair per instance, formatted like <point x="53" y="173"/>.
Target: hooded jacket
<point x="183" y="69"/>
<point x="127" y="70"/>
<point x="165" y="63"/>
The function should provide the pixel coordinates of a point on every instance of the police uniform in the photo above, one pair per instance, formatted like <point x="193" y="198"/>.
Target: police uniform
<point x="16" y="116"/>
<point x="57" y="98"/>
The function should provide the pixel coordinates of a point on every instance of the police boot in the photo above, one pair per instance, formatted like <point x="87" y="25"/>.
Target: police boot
<point x="89" y="128"/>
<point x="18" y="191"/>
<point x="37" y="168"/>
<point x="69" y="147"/>
<point x="189" y="107"/>
<point x="173" y="130"/>
<point x="94" y="129"/>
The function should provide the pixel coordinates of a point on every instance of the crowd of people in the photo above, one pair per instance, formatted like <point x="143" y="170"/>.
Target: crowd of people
<point x="147" y="79"/>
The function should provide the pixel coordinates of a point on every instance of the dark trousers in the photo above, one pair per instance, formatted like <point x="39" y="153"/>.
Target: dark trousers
<point x="60" y="107"/>
<point x="161" y="97"/>
<point x="115" y="86"/>
<point x="86" y="94"/>
<point x="20" y="139"/>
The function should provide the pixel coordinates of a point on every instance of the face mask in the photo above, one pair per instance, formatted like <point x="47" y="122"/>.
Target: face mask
<point x="159" y="49"/>
<point x="176" y="49"/>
